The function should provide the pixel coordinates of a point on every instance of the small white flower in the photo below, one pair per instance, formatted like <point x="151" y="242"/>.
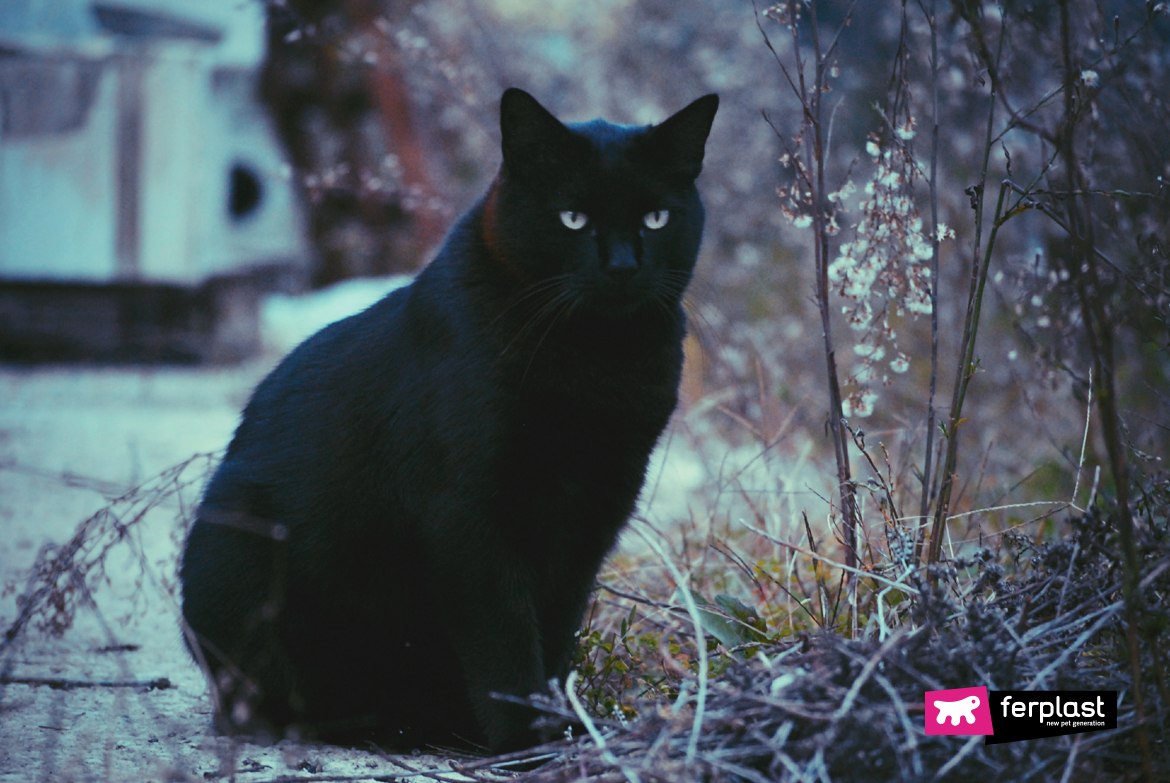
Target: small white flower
<point x="906" y="132"/>
<point x="921" y="249"/>
<point x="1043" y="322"/>
<point x="861" y="316"/>
<point x="873" y="149"/>
<point x="1013" y="355"/>
<point x="864" y="407"/>
<point x="1090" y="78"/>
<point x="802" y="221"/>
<point x="918" y="306"/>
<point x="900" y="364"/>
<point x="837" y="269"/>
<point x="944" y="232"/>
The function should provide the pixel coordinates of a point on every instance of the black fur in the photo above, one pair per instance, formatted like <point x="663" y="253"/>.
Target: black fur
<point x="414" y="508"/>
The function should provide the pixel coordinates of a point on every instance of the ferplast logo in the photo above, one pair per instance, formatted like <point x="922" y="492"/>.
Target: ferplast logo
<point x="1011" y="716"/>
<point x="958" y="711"/>
<point x="1021" y="715"/>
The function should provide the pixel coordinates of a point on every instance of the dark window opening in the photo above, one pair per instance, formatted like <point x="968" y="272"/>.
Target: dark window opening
<point x="244" y="192"/>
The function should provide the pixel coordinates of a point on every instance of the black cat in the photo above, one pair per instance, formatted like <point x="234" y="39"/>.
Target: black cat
<point x="414" y="508"/>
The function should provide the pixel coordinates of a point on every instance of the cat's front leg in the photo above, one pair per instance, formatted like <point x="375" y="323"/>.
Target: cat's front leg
<point x="496" y="636"/>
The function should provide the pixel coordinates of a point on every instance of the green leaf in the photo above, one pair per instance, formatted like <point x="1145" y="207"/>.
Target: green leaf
<point x="729" y="626"/>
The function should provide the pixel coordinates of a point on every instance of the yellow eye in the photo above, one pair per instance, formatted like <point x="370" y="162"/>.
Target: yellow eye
<point x="574" y="220"/>
<point x="656" y="220"/>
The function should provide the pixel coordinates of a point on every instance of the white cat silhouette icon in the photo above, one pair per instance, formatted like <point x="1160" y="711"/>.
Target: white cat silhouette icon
<point x="956" y="709"/>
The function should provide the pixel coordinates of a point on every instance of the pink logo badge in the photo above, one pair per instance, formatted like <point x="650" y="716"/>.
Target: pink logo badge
<point x="958" y="711"/>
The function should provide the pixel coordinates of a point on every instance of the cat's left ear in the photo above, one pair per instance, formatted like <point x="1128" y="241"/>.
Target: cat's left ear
<point x="679" y="142"/>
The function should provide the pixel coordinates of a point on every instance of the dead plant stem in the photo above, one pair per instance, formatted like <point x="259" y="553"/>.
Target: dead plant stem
<point x="966" y="367"/>
<point x="1099" y="334"/>
<point x="924" y="507"/>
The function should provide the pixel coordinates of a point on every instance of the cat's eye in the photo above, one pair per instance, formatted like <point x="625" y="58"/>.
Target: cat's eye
<point x="656" y="219"/>
<point x="574" y="220"/>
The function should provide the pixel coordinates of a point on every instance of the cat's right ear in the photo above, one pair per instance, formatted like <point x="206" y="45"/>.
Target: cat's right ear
<point x="678" y="143"/>
<point x="534" y="141"/>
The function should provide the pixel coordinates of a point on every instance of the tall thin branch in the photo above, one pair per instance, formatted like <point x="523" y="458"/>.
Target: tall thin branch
<point x="924" y="507"/>
<point x="966" y="364"/>
<point x="820" y="228"/>
<point x="1099" y="334"/>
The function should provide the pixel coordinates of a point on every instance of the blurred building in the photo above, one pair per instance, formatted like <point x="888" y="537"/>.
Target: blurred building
<point x="145" y="203"/>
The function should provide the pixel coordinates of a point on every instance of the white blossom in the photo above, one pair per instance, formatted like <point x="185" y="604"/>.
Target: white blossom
<point x="863" y="406"/>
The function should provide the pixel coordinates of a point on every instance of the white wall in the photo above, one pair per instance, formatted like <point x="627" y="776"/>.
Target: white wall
<point x="59" y="191"/>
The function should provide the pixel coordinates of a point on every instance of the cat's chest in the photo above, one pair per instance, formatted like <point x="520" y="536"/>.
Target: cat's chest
<point x="603" y="383"/>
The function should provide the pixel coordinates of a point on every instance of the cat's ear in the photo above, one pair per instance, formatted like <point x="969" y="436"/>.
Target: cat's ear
<point x="677" y="145"/>
<point x="534" y="141"/>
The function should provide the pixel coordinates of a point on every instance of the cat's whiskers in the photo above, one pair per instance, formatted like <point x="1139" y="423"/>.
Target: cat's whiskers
<point x="678" y="287"/>
<point x="529" y="291"/>
<point x="574" y="299"/>
<point x="549" y="307"/>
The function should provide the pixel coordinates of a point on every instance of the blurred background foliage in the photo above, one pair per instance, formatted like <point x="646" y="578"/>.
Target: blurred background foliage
<point x="388" y="110"/>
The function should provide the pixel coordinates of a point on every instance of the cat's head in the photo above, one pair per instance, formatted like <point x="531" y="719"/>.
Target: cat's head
<point x="597" y="216"/>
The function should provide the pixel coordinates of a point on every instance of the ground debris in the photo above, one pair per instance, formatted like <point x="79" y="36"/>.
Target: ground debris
<point x="853" y="710"/>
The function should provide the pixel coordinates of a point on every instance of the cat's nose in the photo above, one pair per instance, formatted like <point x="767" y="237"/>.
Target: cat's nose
<point x="623" y="264"/>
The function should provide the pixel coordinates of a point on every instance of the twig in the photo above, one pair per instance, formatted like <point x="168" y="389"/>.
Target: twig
<point x="866" y="671"/>
<point x="954" y="762"/>
<point x="927" y="484"/>
<point x="1076" y="645"/>
<point x="700" y="639"/>
<point x="1071" y="764"/>
<point x="860" y="572"/>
